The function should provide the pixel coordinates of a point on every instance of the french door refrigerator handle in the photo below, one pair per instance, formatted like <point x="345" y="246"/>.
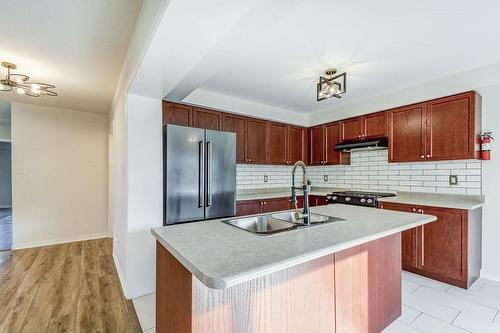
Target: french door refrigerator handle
<point x="209" y="173"/>
<point x="201" y="174"/>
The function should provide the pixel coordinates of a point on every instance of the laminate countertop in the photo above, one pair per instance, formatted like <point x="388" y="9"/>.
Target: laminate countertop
<point x="456" y="201"/>
<point x="221" y="255"/>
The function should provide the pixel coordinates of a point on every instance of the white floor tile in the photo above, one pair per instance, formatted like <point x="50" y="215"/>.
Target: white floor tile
<point x="408" y="315"/>
<point x="491" y="288"/>
<point x="476" y="296"/>
<point x="399" y="327"/>
<point x="497" y="318"/>
<point x="428" y="324"/>
<point x="151" y="330"/>
<point x="477" y="310"/>
<point x="441" y="286"/>
<point x="408" y="287"/>
<point x="145" y="307"/>
<point x="474" y="324"/>
<point x="428" y="305"/>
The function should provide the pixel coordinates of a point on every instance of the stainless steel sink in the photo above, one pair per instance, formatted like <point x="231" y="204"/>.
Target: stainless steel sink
<point x="315" y="218"/>
<point x="262" y="225"/>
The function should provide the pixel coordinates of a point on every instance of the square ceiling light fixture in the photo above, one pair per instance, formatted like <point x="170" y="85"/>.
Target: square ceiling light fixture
<point x="332" y="86"/>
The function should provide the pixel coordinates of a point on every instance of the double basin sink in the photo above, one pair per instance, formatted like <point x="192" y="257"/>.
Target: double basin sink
<point x="270" y="224"/>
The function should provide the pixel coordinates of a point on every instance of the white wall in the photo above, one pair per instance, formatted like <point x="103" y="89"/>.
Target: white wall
<point x="5" y="175"/>
<point x="249" y="108"/>
<point x="59" y="175"/>
<point x="145" y="191"/>
<point x="486" y="81"/>
<point x="125" y="255"/>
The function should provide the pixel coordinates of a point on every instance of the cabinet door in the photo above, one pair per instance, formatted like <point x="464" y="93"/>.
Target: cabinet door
<point x="350" y="129"/>
<point x="247" y="207"/>
<point x="275" y="205"/>
<point x="321" y="201"/>
<point x="176" y="114"/>
<point x="408" y="237"/>
<point x="206" y="119"/>
<point x="450" y="128"/>
<point x="374" y="125"/>
<point x="236" y="124"/>
<point x="406" y="134"/>
<point x="332" y="136"/>
<point x="296" y="144"/>
<point x="442" y="243"/>
<point x="256" y="140"/>
<point x="317" y="145"/>
<point x="278" y="143"/>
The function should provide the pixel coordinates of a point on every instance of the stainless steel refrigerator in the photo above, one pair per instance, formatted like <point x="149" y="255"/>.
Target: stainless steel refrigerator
<point x="199" y="173"/>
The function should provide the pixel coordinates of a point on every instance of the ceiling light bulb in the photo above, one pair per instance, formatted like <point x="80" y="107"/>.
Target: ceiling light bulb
<point x="334" y="89"/>
<point x="35" y="86"/>
<point x="20" y="91"/>
<point x="2" y="87"/>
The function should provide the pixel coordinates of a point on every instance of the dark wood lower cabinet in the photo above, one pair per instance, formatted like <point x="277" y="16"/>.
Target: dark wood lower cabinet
<point x="250" y="207"/>
<point x="448" y="250"/>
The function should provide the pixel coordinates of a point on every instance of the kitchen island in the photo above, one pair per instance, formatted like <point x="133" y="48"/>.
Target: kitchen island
<point x="338" y="277"/>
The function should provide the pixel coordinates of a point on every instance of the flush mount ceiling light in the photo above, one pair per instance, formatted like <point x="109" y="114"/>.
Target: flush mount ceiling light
<point x="332" y="86"/>
<point x="22" y="86"/>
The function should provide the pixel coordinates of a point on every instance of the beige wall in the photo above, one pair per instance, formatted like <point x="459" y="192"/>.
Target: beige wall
<point x="59" y="170"/>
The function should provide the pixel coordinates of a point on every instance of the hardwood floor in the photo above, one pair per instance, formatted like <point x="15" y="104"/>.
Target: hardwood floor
<point x="70" y="287"/>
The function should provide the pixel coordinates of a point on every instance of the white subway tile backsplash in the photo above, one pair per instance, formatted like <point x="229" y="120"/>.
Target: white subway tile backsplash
<point x="371" y="170"/>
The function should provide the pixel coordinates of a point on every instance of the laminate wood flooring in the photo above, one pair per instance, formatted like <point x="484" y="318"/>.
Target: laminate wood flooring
<point x="70" y="287"/>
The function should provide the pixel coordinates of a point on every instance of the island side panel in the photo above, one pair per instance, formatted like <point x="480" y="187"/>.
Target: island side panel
<point x="368" y="285"/>
<point x="173" y="293"/>
<point x="297" y="299"/>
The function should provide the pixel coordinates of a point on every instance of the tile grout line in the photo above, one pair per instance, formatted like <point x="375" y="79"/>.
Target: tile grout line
<point x="495" y="317"/>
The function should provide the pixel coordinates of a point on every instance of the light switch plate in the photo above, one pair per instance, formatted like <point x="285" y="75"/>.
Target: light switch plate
<point x="266" y="179"/>
<point x="325" y="178"/>
<point x="453" y="180"/>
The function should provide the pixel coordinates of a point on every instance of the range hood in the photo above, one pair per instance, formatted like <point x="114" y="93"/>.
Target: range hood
<point x="367" y="145"/>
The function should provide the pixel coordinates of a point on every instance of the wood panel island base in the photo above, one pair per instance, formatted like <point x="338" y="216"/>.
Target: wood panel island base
<point x="354" y="290"/>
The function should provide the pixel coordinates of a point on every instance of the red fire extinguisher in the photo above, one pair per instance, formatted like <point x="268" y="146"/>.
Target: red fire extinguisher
<point x="486" y="146"/>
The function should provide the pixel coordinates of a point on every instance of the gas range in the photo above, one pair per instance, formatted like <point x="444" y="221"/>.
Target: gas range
<point x="360" y="198"/>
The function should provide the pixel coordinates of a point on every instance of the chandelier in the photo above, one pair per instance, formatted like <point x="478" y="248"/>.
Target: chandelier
<point x="22" y="86"/>
<point x="332" y="86"/>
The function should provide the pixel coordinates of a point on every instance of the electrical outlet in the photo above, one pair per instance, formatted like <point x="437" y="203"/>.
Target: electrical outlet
<point x="325" y="178"/>
<point x="453" y="180"/>
<point x="266" y="179"/>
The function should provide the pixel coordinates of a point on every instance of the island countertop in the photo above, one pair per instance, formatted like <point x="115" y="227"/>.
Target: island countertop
<point x="221" y="255"/>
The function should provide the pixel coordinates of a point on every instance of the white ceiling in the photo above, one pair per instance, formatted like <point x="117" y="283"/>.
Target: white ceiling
<point x="272" y="52"/>
<point x="77" y="45"/>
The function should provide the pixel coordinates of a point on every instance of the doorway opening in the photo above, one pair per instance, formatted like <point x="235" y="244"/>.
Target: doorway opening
<point x="5" y="178"/>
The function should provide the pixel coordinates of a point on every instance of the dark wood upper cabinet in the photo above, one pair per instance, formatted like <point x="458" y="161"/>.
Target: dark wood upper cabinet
<point x="207" y="119"/>
<point x="297" y="144"/>
<point x="452" y="127"/>
<point x="236" y="124"/>
<point x="350" y="129"/>
<point x="176" y="114"/>
<point x="278" y="143"/>
<point x="406" y="133"/>
<point x="257" y="139"/>
<point x="317" y="145"/>
<point x="374" y="125"/>
<point x="332" y="137"/>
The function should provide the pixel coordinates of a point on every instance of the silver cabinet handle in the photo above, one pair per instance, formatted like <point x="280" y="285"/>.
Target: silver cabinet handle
<point x="201" y="172"/>
<point x="414" y="210"/>
<point x="428" y="155"/>
<point x="209" y="173"/>
<point x="422" y="156"/>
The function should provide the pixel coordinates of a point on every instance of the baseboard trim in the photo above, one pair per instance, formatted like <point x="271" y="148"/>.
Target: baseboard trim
<point x="28" y="245"/>
<point x="120" y="274"/>
<point x="490" y="276"/>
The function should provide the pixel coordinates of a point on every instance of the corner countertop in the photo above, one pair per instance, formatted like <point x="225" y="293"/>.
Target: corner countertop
<point x="281" y="192"/>
<point x="456" y="201"/>
<point x="220" y="255"/>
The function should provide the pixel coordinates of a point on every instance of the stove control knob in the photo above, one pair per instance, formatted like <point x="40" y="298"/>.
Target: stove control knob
<point x="347" y="199"/>
<point x="369" y="201"/>
<point x="334" y="198"/>
<point x="362" y="200"/>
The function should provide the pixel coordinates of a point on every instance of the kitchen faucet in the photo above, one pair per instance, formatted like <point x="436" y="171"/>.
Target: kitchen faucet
<point x="306" y="214"/>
